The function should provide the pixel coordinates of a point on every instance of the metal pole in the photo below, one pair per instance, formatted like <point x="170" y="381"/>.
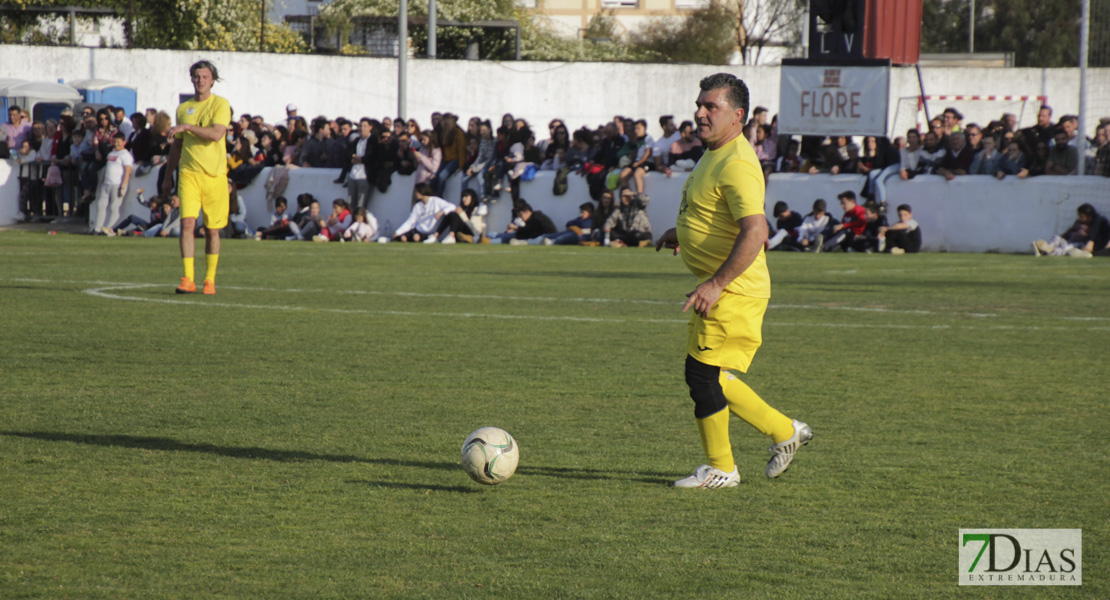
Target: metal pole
<point x="431" y="28"/>
<point x="971" y="29"/>
<point x="402" y="55"/>
<point x="1084" y="34"/>
<point x="262" y="28"/>
<point x="921" y="86"/>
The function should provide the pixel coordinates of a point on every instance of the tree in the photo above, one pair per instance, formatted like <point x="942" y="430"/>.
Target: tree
<point x="1040" y="33"/>
<point x="706" y="36"/>
<point x="762" y="23"/>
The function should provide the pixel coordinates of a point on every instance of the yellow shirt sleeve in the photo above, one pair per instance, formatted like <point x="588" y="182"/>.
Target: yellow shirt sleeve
<point x="741" y="184"/>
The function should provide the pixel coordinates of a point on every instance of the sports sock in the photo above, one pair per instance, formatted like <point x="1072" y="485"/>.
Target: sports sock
<point x="714" y="440"/>
<point x="747" y="405"/>
<point x="188" y="267"/>
<point x="211" y="260"/>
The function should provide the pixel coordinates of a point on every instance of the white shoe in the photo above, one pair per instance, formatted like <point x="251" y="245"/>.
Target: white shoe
<point x="1043" y="247"/>
<point x="1079" y="253"/>
<point x="706" y="476"/>
<point x="548" y="242"/>
<point x="319" y="238"/>
<point x="430" y="240"/>
<point x="450" y="239"/>
<point x="518" y="242"/>
<point x="897" y="251"/>
<point x="108" y="231"/>
<point x="783" y="453"/>
<point x="383" y="240"/>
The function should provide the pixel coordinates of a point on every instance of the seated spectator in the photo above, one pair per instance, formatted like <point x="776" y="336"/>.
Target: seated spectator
<point x="879" y="161"/>
<point x="305" y="223"/>
<point x="535" y="225"/>
<point x="606" y="206"/>
<point x="1011" y="162"/>
<point x="428" y="157"/>
<point x="279" y="223"/>
<point x="815" y="227"/>
<point x="1063" y="158"/>
<point x="661" y="151"/>
<point x="465" y="223"/>
<point x="452" y="141"/>
<point x="237" y="215"/>
<point x="902" y="237"/>
<point x="170" y="223"/>
<point x="136" y="224"/>
<point x="477" y="165"/>
<point x="338" y="221"/>
<point x="910" y="164"/>
<point x="629" y="225"/>
<point x="577" y="230"/>
<point x="687" y="150"/>
<point x="850" y="166"/>
<point x="1102" y="153"/>
<point x="524" y="156"/>
<point x="766" y="148"/>
<point x="851" y="227"/>
<point x="639" y="150"/>
<point x="957" y="160"/>
<point x="1088" y="235"/>
<point x="787" y="225"/>
<point x="876" y="223"/>
<point x="560" y="142"/>
<point x="579" y="152"/>
<point x="363" y="229"/>
<point x="427" y="210"/>
<point x="789" y="162"/>
<point x="987" y="160"/>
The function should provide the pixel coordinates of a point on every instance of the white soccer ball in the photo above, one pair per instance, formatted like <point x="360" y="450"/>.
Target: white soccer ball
<point x="490" y="455"/>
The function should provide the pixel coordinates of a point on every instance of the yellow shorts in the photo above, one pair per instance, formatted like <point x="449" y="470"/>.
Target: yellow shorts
<point x="729" y="336"/>
<point x="197" y="191"/>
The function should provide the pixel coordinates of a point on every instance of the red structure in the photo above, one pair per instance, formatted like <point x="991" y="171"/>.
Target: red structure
<point x="892" y="29"/>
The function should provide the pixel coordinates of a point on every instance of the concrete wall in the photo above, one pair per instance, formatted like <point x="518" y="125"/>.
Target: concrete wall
<point x="580" y="93"/>
<point x="969" y="214"/>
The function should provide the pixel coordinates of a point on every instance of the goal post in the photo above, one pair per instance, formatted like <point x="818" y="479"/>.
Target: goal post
<point x="980" y="109"/>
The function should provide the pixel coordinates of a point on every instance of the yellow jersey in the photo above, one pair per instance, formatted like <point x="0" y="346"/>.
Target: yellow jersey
<point x="198" y="154"/>
<point x="726" y="186"/>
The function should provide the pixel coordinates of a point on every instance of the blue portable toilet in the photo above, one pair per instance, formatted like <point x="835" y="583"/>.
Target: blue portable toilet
<point x="43" y="99"/>
<point x="103" y="91"/>
<point x="5" y="82"/>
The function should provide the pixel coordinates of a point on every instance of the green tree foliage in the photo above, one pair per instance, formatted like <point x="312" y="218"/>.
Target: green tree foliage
<point x="1040" y="33"/>
<point x="706" y="36"/>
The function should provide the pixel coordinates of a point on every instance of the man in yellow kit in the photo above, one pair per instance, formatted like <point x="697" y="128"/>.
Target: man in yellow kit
<point x="200" y="151"/>
<point x="720" y="233"/>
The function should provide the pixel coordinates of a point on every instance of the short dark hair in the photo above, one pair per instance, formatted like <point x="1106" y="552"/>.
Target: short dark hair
<point x="119" y="136"/>
<point x="780" y="207"/>
<point x="665" y="119"/>
<point x="1086" y="210"/>
<point x="686" y="124"/>
<point x="759" y="110"/>
<point x="523" y="206"/>
<point x="204" y="64"/>
<point x="586" y="206"/>
<point x="819" y="205"/>
<point x="905" y="207"/>
<point x="281" y="201"/>
<point x="849" y="194"/>
<point x="424" y="189"/>
<point x="737" y="90"/>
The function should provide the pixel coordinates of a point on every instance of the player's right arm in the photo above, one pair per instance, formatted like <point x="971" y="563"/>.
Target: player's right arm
<point x="171" y="166"/>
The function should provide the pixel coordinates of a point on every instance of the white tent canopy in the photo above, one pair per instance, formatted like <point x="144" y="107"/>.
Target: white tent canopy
<point x="40" y="90"/>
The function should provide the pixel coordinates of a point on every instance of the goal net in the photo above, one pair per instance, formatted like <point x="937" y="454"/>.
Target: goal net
<point x="910" y="112"/>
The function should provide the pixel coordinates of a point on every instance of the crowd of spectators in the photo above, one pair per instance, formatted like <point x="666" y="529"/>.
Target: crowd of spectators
<point x="66" y="159"/>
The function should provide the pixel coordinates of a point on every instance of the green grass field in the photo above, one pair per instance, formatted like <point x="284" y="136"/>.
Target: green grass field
<point x="297" y="435"/>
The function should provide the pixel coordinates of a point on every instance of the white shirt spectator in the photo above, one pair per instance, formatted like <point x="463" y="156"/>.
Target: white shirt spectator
<point x="113" y="169"/>
<point x="910" y="159"/>
<point x="810" y="227"/>
<point x="662" y="146"/>
<point x="423" y="217"/>
<point x="126" y="127"/>
<point x="363" y="232"/>
<point x="358" y="170"/>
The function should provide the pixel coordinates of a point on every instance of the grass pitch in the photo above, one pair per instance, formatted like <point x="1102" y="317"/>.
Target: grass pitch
<point x="297" y="435"/>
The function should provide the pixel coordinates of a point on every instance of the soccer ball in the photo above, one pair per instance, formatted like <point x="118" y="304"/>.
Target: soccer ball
<point x="489" y="455"/>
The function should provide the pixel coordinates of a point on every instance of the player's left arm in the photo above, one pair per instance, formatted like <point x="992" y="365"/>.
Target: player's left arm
<point x="753" y="233"/>
<point x="211" y="133"/>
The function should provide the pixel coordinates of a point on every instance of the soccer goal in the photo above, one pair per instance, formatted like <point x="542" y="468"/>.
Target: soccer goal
<point x="910" y="112"/>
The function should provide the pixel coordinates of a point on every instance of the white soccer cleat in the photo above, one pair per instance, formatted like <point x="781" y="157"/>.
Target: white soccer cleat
<point x="708" y="477"/>
<point x="783" y="453"/>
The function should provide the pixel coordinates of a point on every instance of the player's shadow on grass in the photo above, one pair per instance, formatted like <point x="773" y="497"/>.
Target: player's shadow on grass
<point x="415" y="486"/>
<point x="255" y="453"/>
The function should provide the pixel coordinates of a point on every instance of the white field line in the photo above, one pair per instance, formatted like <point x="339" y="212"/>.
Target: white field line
<point x="104" y="292"/>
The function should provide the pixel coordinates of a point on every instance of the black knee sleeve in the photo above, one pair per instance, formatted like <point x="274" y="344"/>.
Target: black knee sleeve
<point x="705" y="387"/>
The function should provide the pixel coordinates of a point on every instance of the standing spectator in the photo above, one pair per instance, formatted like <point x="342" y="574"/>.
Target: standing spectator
<point x="1063" y="158"/>
<point x="987" y="160"/>
<point x="974" y="137"/>
<point x="358" y="184"/>
<point x="16" y="129"/>
<point x="932" y="153"/>
<point x="629" y="225"/>
<point x="117" y="175"/>
<point x="291" y="117"/>
<point x="123" y="124"/>
<point x="314" y="152"/>
<point x="1041" y="132"/>
<point x="1012" y="162"/>
<point x="957" y="161"/>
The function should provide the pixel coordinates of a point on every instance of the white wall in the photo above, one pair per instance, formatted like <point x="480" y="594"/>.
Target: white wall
<point x="580" y="93"/>
<point x="968" y="214"/>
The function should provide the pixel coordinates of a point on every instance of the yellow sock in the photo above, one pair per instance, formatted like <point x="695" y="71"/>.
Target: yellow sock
<point x="211" y="260"/>
<point x="188" y="267"/>
<point x="747" y="405"/>
<point x="714" y="440"/>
